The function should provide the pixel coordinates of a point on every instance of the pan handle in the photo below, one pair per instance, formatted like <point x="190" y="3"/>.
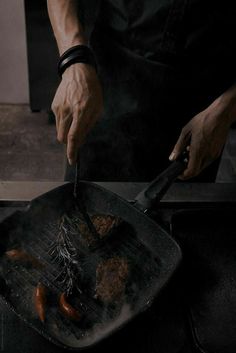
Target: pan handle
<point x="154" y="192"/>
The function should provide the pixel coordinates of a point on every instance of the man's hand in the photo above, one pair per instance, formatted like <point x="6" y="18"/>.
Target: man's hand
<point x="205" y="135"/>
<point x="78" y="101"/>
<point x="77" y="105"/>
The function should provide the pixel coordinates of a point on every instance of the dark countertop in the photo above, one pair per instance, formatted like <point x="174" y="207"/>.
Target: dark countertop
<point x="20" y="193"/>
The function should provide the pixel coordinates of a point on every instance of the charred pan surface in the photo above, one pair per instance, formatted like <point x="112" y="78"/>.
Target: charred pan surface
<point x="111" y="279"/>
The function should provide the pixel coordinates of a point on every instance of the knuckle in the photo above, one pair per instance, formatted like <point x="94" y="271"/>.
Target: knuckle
<point x="65" y="109"/>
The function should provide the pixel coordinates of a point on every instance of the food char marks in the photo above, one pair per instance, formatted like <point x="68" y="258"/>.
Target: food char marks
<point x="104" y="225"/>
<point x="111" y="278"/>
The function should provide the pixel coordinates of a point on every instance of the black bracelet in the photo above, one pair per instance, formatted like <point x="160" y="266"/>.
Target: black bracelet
<point x="76" y="54"/>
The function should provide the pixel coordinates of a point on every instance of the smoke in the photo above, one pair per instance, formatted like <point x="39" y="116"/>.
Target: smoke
<point x="101" y="330"/>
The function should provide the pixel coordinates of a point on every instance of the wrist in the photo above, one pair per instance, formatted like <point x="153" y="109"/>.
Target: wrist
<point x="76" y="54"/>
<point x="226" y="103"/>
<point x="78" y="39"/>
<point x="229" y="102"/>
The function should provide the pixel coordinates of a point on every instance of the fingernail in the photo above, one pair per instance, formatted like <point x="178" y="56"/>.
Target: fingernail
<point x="70" y="161"/>
<point x="172" y="156"/>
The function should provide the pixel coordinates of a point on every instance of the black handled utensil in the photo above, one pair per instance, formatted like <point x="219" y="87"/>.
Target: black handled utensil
<point x="81" y="206"/>
<point x="154" y="192"/>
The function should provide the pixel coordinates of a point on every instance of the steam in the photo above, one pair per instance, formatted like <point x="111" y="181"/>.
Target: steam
<point x="101" y="330"/>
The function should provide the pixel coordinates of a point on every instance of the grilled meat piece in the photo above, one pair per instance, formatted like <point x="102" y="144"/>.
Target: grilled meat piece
<point x="111" y="278"/>
<point x="104" y="224"/>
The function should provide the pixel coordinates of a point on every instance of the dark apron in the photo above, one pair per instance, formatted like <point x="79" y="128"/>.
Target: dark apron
<point x="155" y="78"/>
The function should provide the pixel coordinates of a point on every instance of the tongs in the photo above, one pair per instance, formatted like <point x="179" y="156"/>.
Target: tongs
<point x="81" y="205"/>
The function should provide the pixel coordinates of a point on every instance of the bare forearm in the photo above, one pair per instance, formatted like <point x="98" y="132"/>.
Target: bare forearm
<point x="66" y="26"/>
<point x="228" y="100"/>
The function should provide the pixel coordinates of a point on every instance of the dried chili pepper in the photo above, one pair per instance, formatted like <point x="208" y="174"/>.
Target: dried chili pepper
<point x="40" y="300"/>
<point x="21" y="255"/>
<point x="67" y="309"/>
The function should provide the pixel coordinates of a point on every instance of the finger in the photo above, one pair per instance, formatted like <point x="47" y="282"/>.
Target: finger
<point x="76" y="135"/>
<point x="183" y="140"/>
<point x="56" y="114"/>
<point x="81" y="125"/>
<point x="57" y="121"/>
<point x="64" y="123"/>
<point x="194" y="165"/>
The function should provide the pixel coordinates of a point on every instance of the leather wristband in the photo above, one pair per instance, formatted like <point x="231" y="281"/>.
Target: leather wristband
<point x="76" y="54"/>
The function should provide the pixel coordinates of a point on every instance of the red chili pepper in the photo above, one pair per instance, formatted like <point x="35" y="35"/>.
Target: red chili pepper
<point x="17" y="254"/>
<point x="40" y="300"/>
<point x="67" y="309"/>
<point x="21" y="255"/>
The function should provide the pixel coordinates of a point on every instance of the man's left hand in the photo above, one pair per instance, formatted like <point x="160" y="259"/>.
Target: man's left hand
<point x="205" y="135"/>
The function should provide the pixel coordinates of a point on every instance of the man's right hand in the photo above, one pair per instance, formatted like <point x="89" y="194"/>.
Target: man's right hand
<point x="77" y="106"/>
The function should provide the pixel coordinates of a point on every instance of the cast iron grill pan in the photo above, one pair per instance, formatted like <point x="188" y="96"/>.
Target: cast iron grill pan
<point x="151" y="253"/>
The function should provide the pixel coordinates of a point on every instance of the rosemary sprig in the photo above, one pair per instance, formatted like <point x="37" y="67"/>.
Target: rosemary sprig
<point x="65" y="254"/>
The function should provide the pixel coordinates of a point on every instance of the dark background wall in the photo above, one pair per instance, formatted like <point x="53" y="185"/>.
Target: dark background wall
<point x="42" y="55"/>
<point x="13" y="58"/>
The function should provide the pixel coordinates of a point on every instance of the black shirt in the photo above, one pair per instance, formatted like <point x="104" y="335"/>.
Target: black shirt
<point x="195" y="37"/>
<point x="160" y="62"/>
